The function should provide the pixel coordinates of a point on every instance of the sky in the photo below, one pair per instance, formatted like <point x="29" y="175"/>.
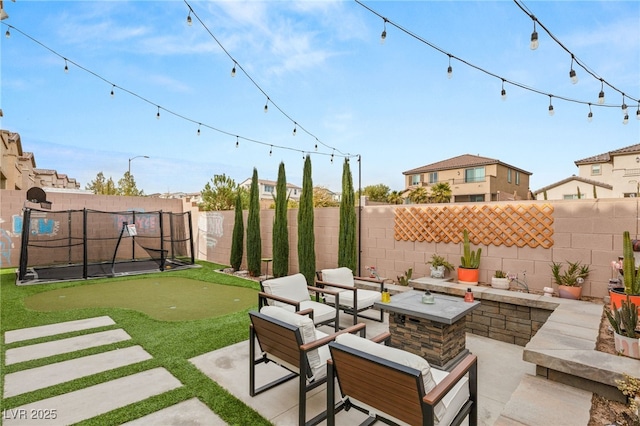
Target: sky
<point x="322" y="69"/>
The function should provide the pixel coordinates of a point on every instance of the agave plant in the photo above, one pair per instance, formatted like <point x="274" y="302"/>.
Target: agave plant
<point x="573" y="276"/>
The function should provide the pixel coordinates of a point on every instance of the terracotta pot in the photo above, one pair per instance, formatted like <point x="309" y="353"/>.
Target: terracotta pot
<point x="570" y="292"/>
<point x="468" y="276"/>
<point x="627" y="346"/>
<point x="617" y="295"/>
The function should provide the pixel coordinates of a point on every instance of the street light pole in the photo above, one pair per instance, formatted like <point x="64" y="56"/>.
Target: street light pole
<point x="137" y="156"/>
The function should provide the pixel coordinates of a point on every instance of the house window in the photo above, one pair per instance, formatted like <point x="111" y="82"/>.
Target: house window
<point x="517" y="178"/>
<point x="268" y="188"/>
<point x="433" y="177"/>
<point x="596" y="170"/>
<point x="509" y="175"/>
<point x="415" y="179"/>
<point x="570" y="197"/>
<point x="474" y="175"/>
<point x="478" y="198"/>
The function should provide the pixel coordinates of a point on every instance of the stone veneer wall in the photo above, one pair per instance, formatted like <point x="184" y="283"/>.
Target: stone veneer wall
<point x="506" y="322"/>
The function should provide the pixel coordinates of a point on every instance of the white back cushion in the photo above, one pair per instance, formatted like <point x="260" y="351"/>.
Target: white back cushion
<point x="398" y="356"/>
<point x="341" y="275"/>
<point x="303" y="322"/>
<point x="293" y="287"/>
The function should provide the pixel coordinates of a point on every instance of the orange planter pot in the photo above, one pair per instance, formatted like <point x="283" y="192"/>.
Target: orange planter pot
<point x="570" y="292"/>
<point x="468" y="276"/>
<point x="618" y="295"/>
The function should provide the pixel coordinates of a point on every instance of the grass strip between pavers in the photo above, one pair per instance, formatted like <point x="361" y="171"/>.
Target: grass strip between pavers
<point x="171" y="343"/>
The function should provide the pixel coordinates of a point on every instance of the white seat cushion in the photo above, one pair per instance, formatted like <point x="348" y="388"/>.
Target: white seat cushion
<point x="292" y="287"/>
<point x="454" y="399"/>
<point x="366" y="298"/>
<point x="341" y="275"/>
<point x="321" y="311"/>
<point x="401" y="357"/>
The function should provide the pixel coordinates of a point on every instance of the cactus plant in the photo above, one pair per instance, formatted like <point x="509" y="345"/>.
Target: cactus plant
<point x="631" y="278"/>
<point x="404" y="279"/>
<point x="471" y="258"/>
<point x="624" y="320"/>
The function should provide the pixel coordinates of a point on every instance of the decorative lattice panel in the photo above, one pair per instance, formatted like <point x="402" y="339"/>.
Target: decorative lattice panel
<point x="510" y="224"/>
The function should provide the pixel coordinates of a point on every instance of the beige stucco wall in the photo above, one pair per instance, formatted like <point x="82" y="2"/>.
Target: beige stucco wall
<point x="586" y="230"/>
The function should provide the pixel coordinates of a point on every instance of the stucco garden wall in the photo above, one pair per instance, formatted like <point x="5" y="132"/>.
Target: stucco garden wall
<point x="586" y="230"/>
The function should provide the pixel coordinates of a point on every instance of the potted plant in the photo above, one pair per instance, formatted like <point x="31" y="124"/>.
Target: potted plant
<point x="404" y="279"/>
<point x="630" y="277"/>
<point x="500" y="280"/>
<point x="469" y="262"/>
<point x="624" y="322"/>
<point x="439" y="266"/>
<point x="570" y="281"/>
<point x="630" y="387"/>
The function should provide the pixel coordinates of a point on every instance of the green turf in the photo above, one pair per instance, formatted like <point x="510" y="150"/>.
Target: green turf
<point x="171" y="343"/>
<point x="165" y="298"/>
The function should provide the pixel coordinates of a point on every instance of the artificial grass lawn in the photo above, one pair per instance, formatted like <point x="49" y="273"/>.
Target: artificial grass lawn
<point x="162" y="297"/>
<point x="171" y="343"/>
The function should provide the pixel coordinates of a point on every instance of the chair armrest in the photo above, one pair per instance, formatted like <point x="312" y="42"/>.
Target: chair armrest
<point x="308" y="311"/>
<point x="323" y="290"/>
<point x="263" y="295"/>
<point x="342" y="286"/>
<point x="361" y="327"/>
<point x="382" y="337"/>
<point x="372" y="281"/>
<point x="469" y="362"/>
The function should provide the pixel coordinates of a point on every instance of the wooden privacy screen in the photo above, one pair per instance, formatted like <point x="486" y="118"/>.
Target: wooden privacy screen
<point x="509" y="224"/>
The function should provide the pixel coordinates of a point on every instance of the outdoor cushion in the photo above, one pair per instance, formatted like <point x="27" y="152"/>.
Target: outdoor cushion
<point x="292" y="287"/>
<point x="401" y="357"/>
<point x="344" y="276"/>
<point x="341" y="275"/>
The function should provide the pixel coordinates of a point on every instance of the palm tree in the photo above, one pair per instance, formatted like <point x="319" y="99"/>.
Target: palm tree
<point x="419" y="195"/>
<point x="440" y="193"/>
<point x="395" y="197"/>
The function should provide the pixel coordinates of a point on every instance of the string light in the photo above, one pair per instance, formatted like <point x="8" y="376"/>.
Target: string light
<point x="66" y="66"/>
<point x="601" y="94"/>
<point x="590" y="115"/>
<point x="189" y="21"/>
<point x="112" y="91"/>
<point x="198" y="132"/>
<point x="316" y="147"/>
<point x="625" y="120"/>
<point x="7" y="34"/>
<point x="638" y="112"/>
<point x="237" y="142"/>
<point x="551" y="112"/>
<point x="534" y="36"/>
<point x="266" y="106"/>
<point x="158" y="113"/>
<point x="295" y="126"/>
<point x="270" y="150"/>
<point x="503" y="93"/>
<point x="624" y="106"/>
<point x="233" y="70"/>
<point x="572" y="72"/>
<point x="449" y="69"/>
<point x="383" y="36"/>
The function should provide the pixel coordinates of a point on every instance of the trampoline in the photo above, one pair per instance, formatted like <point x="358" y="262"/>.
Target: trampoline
<point x="83" y="244"/>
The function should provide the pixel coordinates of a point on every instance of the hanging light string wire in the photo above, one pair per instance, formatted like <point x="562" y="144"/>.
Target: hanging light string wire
<point x="575" y="58"/>
<point x="269" y="100"/>
<point x="476" y="67"/>
<point x="114" y="86"/>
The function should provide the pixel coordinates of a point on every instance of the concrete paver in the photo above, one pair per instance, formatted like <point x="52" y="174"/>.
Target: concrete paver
<point x="48" y="375"/>
<point x="71" y="344"/>
<point x="89" y="402"/>
<point x="53" y="329"/>
<point x="191" y="412"/>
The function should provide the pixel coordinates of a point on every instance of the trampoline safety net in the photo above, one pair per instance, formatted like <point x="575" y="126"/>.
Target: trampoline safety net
<point x="81" y="244"/>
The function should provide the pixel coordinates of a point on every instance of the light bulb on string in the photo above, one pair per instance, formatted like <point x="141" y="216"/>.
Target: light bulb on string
<point x="590" y="115"/>
<point x="266" y="106"/>
<point x="189" y="21"/>
<point x="7" y="34"/>
<point x="624" y="106"/>
<point x="625" y="120"/>
<point x="383" y="36"/>
<point x="601" y="94"/>
<point x="316" y="147"/>
<point x="66" y="66"/>
<point x="572" y="73"/>
<point x="237" y="142"/>
<point x="295" y="128"/>
<point x="233" y="70"/>
<point x="332" y="158"/>
<point x="158" y="113"/>
<point x="198" y="132"/>
<point x="270" y="150"/>
<point x="503" y="93"/>
<point x="113" y="93"/>
<point x="534" y="37"/>
<point x="638" y="112"/>
<point x="449" y="69"/>
<point x="551" y="112"/>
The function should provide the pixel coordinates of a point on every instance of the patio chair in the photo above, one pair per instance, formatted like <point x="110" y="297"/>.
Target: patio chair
<point x="398" y="387"/>
<point x="291" y="341"/>
<point x="292" y="293"/>
<point x="353" y="300"/>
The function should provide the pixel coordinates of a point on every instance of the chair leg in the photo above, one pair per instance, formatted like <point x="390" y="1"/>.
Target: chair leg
<point x="331" y="396"/>
<point x="252" y="364"/>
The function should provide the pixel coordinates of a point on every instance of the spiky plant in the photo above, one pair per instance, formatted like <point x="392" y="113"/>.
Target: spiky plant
<point x="631" y="278"/>
<point x="404" y="279"/>
<point x="624" y="320"/>
<point x="573" y="276"/>
<point x="470" y="258"/>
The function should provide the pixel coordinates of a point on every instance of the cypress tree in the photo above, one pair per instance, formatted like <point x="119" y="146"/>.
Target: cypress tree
<point x="237" y="240"/>
<point x="254" y="243"/>
<point x="306" y="237"/>
<point x="280" y="230"/>
<point x="347" y="246"/>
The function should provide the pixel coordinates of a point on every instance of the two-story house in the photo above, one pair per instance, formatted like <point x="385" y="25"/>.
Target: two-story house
<point x="613" y="174"/>
<point x="472" y="178"/>
<point x="267" y="190"/>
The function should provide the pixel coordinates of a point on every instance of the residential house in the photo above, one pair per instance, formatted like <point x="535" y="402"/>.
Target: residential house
<point x="267" y="190"/>
<point x="472" y="178"/>
<point x="613" y="174"/>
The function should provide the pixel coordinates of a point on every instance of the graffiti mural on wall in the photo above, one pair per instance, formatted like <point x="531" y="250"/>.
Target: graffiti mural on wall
<point x="39" y="225"/>
<point x="5" y="246"/>
<point x="147" y="223"/>
<point x="210" y="227"/>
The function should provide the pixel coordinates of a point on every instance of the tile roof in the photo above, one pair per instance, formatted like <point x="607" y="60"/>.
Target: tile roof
<point x="574" y="178"/>
<point x="459" y="162"/>
<point x="606" y="157"/>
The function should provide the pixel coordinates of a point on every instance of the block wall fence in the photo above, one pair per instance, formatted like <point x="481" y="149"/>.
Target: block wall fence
<point x="589" y="231"/>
